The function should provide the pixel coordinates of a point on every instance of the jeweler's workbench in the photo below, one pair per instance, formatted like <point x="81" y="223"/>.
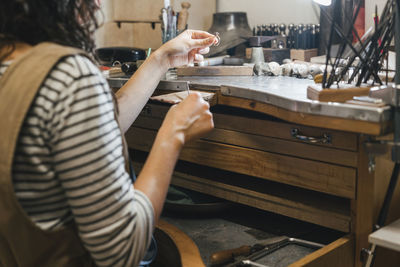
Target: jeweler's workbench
<point x="276" y="150"/>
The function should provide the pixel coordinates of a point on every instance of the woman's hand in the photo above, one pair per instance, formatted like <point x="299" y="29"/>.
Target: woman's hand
<point x="184" y="122"/>
<point x="187" y="48"/>
<point x="187" y="121"/>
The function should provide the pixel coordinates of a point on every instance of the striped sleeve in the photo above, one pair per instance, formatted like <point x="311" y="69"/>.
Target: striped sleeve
<point x="115" y="221"/>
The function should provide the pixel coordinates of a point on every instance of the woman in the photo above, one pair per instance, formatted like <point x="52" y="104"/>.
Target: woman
<point x="68" y="168"/>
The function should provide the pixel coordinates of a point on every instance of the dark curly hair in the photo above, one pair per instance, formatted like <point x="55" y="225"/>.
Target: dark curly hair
<point x="66" y="22"/>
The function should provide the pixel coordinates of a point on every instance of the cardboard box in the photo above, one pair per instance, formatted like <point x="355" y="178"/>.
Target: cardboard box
<point x="303" y="55"/>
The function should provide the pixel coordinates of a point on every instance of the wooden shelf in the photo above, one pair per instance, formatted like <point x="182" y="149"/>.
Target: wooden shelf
<point x="328" y="211"/>
<point x="152" y="22"/>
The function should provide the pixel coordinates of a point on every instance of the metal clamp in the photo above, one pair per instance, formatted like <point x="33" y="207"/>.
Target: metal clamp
<point x="325" y="139"/>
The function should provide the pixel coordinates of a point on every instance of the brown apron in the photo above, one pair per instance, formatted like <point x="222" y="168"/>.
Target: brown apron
<point x="22" y="243"/>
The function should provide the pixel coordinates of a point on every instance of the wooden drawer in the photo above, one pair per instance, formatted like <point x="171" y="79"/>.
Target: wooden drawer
<point x="256" y="160"/>
<point x="265" y="149"/>
<point x="259" y="124"/>
<point x="178" y="249"/>
<point x="340" y="252"/>
<point x="186" y="254"/>
<point x="337" y="253"/>
<point x="328" y="178"/>
<point x="323" y="210"/>
<point x="306" y="205"/>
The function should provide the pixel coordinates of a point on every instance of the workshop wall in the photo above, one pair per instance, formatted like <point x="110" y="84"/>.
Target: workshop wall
<point x="272" y="11"/>
<point x="370" y="10"/>
<point x="139" y="35"/>
<point x="200" y="17"/>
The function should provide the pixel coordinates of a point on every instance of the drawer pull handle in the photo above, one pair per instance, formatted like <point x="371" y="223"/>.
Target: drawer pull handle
<point x="325" y="139"/>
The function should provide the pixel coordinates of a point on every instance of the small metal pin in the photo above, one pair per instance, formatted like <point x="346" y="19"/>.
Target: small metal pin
<point x="218" y="39"/>
<point x="187" y="88"/>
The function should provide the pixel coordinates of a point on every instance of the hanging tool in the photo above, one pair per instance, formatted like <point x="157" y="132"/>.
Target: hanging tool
<point x="183" y="16"/>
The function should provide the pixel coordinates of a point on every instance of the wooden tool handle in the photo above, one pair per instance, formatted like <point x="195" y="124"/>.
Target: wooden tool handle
<point x="225" y="256"/>
<point x="183" y="16"/>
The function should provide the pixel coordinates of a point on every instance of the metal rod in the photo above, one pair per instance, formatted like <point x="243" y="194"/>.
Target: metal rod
<point x="341" y="34"/>
<point x="382" y="30"/>
<point x="328" y="53"/>
<point x="252" y="263"/>
<point x="343" y="45"/>
<point x="397" y="42"/>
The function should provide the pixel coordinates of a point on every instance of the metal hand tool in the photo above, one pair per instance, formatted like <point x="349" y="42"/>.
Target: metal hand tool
<point x="299" y="39"/>
<point x="282" y="30"/>
<point x="225" y="256"/>
<point x="259" y="31"/>
<point x="264" y="30"/>
<point x="291" y="36"/>
<point x="276" y="29"/>
<point x="275" y="246"/>
<point x="362" y="58"/>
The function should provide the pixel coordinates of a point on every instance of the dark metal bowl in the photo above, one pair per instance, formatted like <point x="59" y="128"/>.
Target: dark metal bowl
<point x="109" y="55"/>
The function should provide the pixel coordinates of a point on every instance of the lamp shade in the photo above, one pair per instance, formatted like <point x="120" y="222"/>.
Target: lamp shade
<point x="323" y="2"/>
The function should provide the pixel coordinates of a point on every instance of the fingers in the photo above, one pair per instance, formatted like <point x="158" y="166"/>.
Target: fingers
<point x="200" y="34"/>
<point x="202" y="43"/>
<point x="192" y="117"/>
<point x="195" y="100"/>
<point x="204" y="50"/>
<point x="191" y="56"/>
<point x="198" y="58"/>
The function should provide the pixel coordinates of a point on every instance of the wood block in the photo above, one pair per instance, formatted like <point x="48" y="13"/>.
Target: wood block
<point x="304" y="55"/>
<point x="216" y="71"/>
<point x="315" y="92"/>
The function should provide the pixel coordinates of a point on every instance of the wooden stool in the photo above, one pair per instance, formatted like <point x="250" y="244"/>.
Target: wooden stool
<point x="387" y="237"/>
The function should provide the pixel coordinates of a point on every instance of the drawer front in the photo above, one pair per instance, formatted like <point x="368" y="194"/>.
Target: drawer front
<point x="305" y="205"/>
<point x="268" y="128"/>
<point x="287" y="131"/>
<point x="338" y="253"/>
<point x="314" y="175"/>
<point x="268" y="144"/>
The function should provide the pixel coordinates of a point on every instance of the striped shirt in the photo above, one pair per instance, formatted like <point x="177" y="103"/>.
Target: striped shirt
<point x="69" y="165"/>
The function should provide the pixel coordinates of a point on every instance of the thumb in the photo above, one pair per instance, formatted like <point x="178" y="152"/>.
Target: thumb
<point x="202" y="43"/>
